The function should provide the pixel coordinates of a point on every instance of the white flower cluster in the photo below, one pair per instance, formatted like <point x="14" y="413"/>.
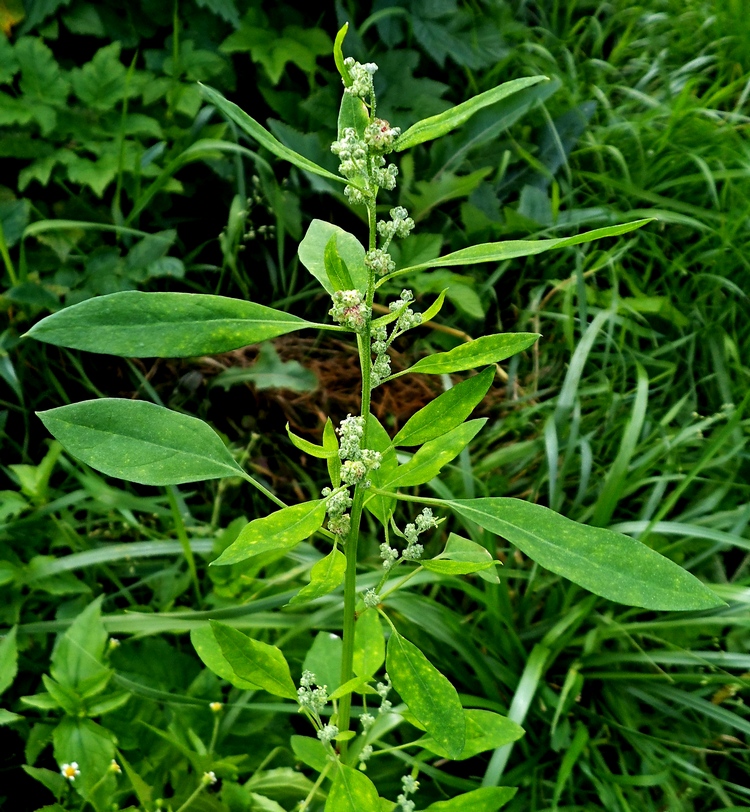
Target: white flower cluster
<point x="361" y="76"/>
<point x="358" y="461"/>
<point x="407" y="317"/>
<point x="327" y="733"/>
<point x="350" y="310"/>
<point x="380" y="136"/>
<point x="379" y="262"/>
<point x="388" y="554"/>
<point x="339" y="521"/>
<point x="400" y="225"/>
<point x="410" y="786"/>
<point x="383" y="689"/>
<point x="371" y="598"/>
<point x="381" y="367"/>
<point x="425" y="521"/>
<point x="384" y="175"/>
<point x="311" y="696"/>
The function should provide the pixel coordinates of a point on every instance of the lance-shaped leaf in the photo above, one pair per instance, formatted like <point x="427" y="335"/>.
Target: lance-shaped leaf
<point x="477" y="353"/>
<point x="325" y="576"/>
<point x="336" y="269"/>
<point x="278" y="531"/>
<point x="255" y="662"/>
<point x="352" y="791"/>
<point x="484" y="799"/>
<point x="511" y="249"/>
<point x="338" y="55"/>
<point x="436" y="126"/>
<point x="166" y="325"/>
<point x="263" y="137"/>
<point x="333" y="461"/>
<point x="431" y="457"/>
<point x="307" y="447"/>
<point x="445" y="412"/>
<point x="429" y="695"/>
<point x="485" y="730"/>
<point x="140" y="441"/>
<point x="461" y="557"/>
<point x="606" y="563"/>
<point x="312" y="251"/>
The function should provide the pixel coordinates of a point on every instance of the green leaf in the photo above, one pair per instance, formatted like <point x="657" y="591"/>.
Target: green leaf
<point x="312" y="254"/>
<point x="323" y="658"/>
<point x="336" y="270"/>
<point x="436" y="126"/>
<point x="352" y="791"/>
<point x="338" y="55"/>
<point x="608" y="564"/>
<point x="93" y="748"/>
<point x="255" y="662"/>
<point x="484" y="799"/>
<point x="434" y="308"/>
<point x="205" y="644"/>
<point x="477" y="353"/>
<point x="333" y="461"/>
<point x="431" y="457"/>
<point x="103" y="82"/>
<point x="369" y="644"/>
<point x="311" y="752"/>
<point x="485" y="730"/>
<point x="429" y="695"/>
<point x="79" y="653"/>
<point x="445" y="412"/>
<point x="462" y="557"/>
<point x="317" y="451"/>
<point x="8" y="659"/>
<point x="269" y="372"/>
<point x="263" y="137"/>
<point x="378" y="440"/>
<point x="325" y="576"/>
<point x="278" y="531"/>
<point x="8" y="718"/>
<point x="226" y="9"/>
<point x="167" y="325"/>
<point x="140" y="441"/>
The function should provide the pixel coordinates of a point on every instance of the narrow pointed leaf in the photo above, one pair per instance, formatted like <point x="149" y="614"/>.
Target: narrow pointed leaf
<point x="434" y="308"/>
<point x="307" y="447"/>
<point x="608" y="564"/>
<point x="166" y="325"/>
<point x="352" y="791"/>
<point x="336" y="269"/>
<point x="429" y="695"/>
<point x="140" y="441"/>
<point x="333" y="461"/>
<point x="445" y="412"/>
<point x="255" y="662"/>
<point x="369" y="644"/>
<point x="436" y="126"/>
<point x="338" y="55"/>
<point x="260" y="134"/>
<point x="278" y="531"/>
<point x="477" y="353"/>
<point x="461" y="557"/>
<point x="484" y="799"/>
<point x="485" y="730"/>
<point x="325" y="576"/>
<point x="431" y="457"/>
<point x="312" y="252"/>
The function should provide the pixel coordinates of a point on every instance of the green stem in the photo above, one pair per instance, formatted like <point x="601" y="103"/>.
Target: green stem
<point x="182" y="535"/>
<point x="405" y="497"/>
<point x="190" y="800"/>
<point x="5" y="254"/>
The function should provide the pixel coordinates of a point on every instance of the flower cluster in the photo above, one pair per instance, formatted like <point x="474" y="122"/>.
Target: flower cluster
<point x="407" y="317"/>
<point x="371" y="598"/>
<point x="400" y="225"/>
<point x="381" y="367"/>
<point x="328" y="733"/>
<point x="339" y="521"/>
<point x="380" y="136"/>
<point x="311" y="696"/>
<point x="357" y="461"/>
<point x="388" y="554"/>
<point x="410" y="786"/>
<point x="383" y="689"/>
<point x="350" y="310"/>
<point x="425" y="521"/>
<point x="361" y="76"/>
<point x="379" y="262"/>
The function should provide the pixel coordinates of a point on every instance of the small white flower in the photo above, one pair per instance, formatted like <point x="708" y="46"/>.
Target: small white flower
<point x="209" y="778"/>
<point x="114" y="767"/>
<point x="70" y="771"/>
<point x="215" y="707"/>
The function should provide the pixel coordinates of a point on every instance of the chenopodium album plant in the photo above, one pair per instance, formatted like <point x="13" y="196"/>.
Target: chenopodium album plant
<point x="149" y="444"/>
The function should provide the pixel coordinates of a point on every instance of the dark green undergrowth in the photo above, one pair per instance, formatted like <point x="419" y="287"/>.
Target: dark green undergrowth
<point x="631" y="413"/>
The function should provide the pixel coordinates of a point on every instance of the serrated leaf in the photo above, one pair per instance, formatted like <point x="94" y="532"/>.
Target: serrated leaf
<point x="102" y="83"/>
<point x="352" y="791"/>
<point x="325" y="576"/>
<point x="445" y="412"/>
<point x="477" y="353"/>
<point x="255" y="662"/>
<point x="312" y="254"/>
<point x="462" y="557"/>
<point x="484" y="799"/>
<point x="428" y="694"/>
<point x="485" y="730"/>
<point x="226" y="9"/>
<point x="205" y="644"/>
<point x="436" y="126"/>
<point x="606" y="563"/>
<point x="140" y="441"/>
<point x="429" y="460"/>
<point x="8" y="659"/>
<point x="167" y="325"/>
<point x="369" y="644"/>
<point x="280" y="530"/>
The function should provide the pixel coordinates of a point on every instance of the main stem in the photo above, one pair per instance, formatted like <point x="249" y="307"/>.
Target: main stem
<point x="350" y="549"/>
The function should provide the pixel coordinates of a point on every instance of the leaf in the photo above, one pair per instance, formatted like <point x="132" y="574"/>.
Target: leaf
<point x="377" y="439"/>
<point x="484" y="799"/>
<point x="278" y="531"/>
<point x="79" y="653"/>
<point x="429" y="695"/>
<point x="312" y="254"/>
<point x="436" y="126"/>
<point x="325" y="576"/>
<point x="310" y="751"/>
<point x="263" y="137"/>
<point x="333" y="461"/>
<point x="269" y="372"/>
<point x="8" y="718"/>
<point x="352" y="791"/>
<point x="8" y="659"/>
<point x="317" y="451"/>
<point x="445" y="412"/>
<point x="606" y="563"/>
<point x="336" y="270"/>
<point x="369" y="644"/>
<point x="485" y="730"/>
<point x="166" y="325"/>
<point x="103" y="82"/>
<point x="140" y="441"/>
<point x="93" y="748"/>
<point x="323" y="658"/>
<point x="431" y="457"/>
<point x="477" y="353"/>
<point x="462" y="557"/>
<point x="338" y="55"/>
<point x="205" y="644"/>
<point x="434" y="308"/>
<point x="255" y="662"/>
<point x="226" y="9"/>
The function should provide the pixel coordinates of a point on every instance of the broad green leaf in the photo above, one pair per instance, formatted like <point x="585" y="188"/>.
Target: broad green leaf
<point x="485" y="730"/>
<point x="336" y="270"/>
<point x="323" y="658"/>
<point x="93" y="748"/>
<point x="436" y="126"/>
<point x="307" y="447"/>
<point x="352" y="791"/>
<point x="165" y="325"/>
<point x="312" y="251"/>
<point x="333" y="461"/>
<point x="78" y="655"/>
<point x="8" y="717"/>
<point x="462" y="557"/>
<point x="140" y="441"/>
<point x="269" y="372"/>
<point x="428" y="461"/>
<point x="511" y="249"/>
<point x="263" y="136"/>
<point x="279" y="531"/>
<point x="206" y="646"/>
<point x="477" y="353"/>
<point x="484" y="799"/>
<point x="103" y="82"/>
<point x="8" y="659"/>
<point x="255" y="662"/>
<point x="445" y="412"/>
<point x="325" y="576"/>
<point x="429" y="695"/>
<point x="606" y="563"/>
<point x="338" y="55"/>
<point x="310" y="751"/>
<point x="369" y="644"/>
<point x="377" y="438"/>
